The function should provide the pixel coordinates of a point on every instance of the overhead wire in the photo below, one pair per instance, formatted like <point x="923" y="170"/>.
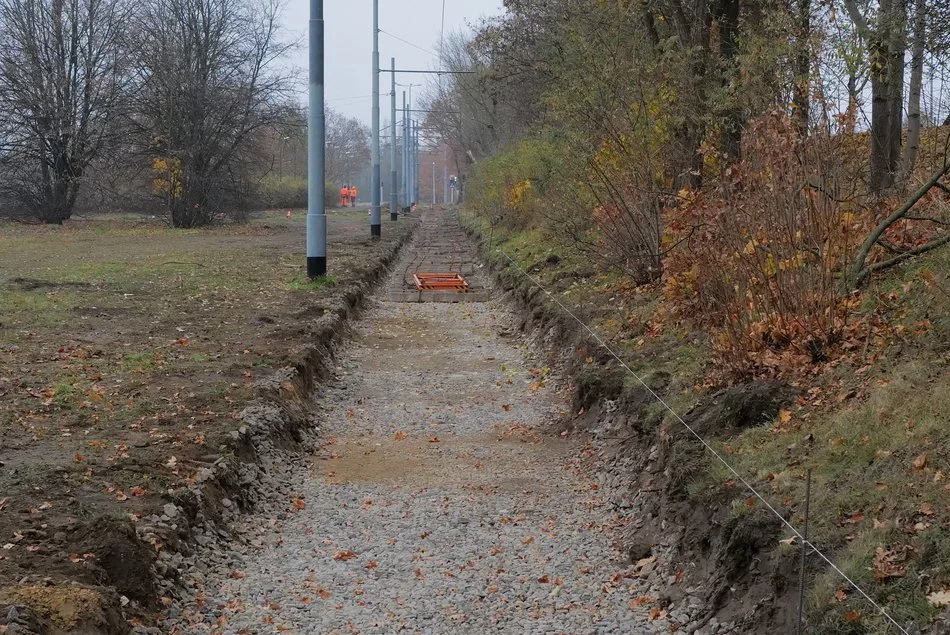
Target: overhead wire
<point x="412" y="44"/>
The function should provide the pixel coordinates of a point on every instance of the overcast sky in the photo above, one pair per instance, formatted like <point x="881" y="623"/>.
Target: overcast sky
<point x="349" y="43"/>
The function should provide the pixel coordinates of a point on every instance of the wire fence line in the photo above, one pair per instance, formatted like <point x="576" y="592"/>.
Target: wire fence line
<point x="791" y="528"/>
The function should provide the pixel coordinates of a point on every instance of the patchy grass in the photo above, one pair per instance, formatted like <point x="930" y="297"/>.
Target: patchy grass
<point x="303" y="283"/>
<point x="877" y="442"/>
<point x="124" y="344"/>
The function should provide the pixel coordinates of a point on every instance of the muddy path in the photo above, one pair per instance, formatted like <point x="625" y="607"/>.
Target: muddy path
<point x="437" y="499"/>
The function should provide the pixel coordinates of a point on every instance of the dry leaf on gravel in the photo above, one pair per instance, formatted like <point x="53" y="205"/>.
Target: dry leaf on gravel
<point x="344" y="555"/>
<point x="641" y="600"/>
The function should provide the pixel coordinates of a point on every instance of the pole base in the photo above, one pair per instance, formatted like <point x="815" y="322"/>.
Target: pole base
<point x="316" y="266"/>
<point x="394" y="216"/>
<point x="376" y="231"/>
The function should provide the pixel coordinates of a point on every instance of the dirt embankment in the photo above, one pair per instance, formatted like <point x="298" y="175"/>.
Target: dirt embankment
<point x="126" y="565"/>
<point x="731" y="557"/>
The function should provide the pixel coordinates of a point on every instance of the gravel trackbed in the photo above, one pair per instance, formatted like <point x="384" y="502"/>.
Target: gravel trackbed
<point x="437" y="501"/>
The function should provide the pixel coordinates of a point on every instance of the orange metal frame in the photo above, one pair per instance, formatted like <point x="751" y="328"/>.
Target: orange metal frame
<point x="440" y="282"/>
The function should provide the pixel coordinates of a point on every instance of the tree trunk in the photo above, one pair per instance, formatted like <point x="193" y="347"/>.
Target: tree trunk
<point x="728" y="18"/>
<point x="916" y="84"/>
<point x="881" y="176"/>
<point x="803" y="66"/>
<point x="887" y="44"/>
<point x="897" y="33"/>
<point x="58" y="196"/>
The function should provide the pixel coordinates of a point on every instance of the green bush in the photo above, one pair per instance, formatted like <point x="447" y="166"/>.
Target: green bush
<point x="510" y="187"/>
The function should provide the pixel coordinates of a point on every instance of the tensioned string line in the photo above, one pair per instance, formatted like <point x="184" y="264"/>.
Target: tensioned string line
<point x="807" y="543"/>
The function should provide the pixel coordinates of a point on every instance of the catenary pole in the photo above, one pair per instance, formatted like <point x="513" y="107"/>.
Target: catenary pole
<point x="405" y="152"/>
<point x="375" y="223"/>
<point x="412" y="160"/>
<point x="393" y="186"/>
<point x="433" y="184"/>
<point x="417" y="160"/>
<point x="316" y="151"/>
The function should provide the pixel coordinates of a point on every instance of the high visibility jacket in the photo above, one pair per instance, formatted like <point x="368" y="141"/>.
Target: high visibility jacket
<point x="353" y="192"/>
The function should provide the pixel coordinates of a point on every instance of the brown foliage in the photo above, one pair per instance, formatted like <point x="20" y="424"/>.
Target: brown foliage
<point x="762" y="253"/>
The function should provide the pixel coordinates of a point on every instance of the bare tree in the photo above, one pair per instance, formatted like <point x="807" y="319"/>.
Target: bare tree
<point x="62" y="80"/>
<point x="208" y="81"/>
<point x="886" y="38"/>
<point x="347" y="146"/>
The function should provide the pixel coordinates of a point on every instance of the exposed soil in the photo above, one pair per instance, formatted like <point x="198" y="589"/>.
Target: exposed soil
<point x="128" y="353"/>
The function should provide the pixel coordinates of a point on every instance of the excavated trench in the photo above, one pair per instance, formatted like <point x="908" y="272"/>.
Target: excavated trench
<point x="437" y="496"/>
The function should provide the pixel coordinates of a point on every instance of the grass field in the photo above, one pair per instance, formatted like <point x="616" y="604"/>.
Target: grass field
<point x="126" y="351"/>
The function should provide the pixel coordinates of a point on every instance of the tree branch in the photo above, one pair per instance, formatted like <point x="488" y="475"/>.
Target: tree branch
<point x="859" y="272"/>
<point x="933" y="244"/>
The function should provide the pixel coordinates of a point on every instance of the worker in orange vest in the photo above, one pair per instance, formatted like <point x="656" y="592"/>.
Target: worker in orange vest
<point x="344" y="195"/>
<point x="353" y="193"/>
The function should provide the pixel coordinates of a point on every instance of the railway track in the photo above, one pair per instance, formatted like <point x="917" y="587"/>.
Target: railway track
<point x="441" y="246"/>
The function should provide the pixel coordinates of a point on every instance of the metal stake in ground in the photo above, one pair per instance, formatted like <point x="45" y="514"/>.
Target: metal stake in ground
<point x="393" y="188"/>
<point x="376" y="229"/>
<point x="316" y="133"/>
<point x="801" y="588"/>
